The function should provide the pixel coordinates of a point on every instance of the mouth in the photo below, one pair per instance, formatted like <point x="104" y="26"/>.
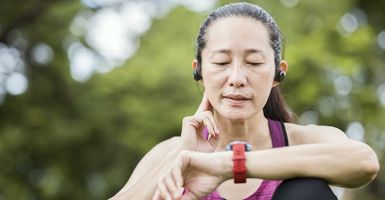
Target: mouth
<point x="236" y="99"/>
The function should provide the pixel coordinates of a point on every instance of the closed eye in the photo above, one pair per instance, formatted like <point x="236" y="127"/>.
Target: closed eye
<point x="254" y="64"/>
<point x="222" y="63"/>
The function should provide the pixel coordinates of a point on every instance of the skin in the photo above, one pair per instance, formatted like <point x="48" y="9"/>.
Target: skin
<point x="238" y="74"/>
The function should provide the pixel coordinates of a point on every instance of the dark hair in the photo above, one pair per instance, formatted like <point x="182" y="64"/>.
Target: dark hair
<point x="275" y="107"/>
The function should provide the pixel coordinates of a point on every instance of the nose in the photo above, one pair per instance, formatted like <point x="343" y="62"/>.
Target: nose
<point x="237" y="76"/>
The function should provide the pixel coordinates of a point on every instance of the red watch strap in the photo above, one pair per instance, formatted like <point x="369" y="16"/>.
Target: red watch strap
<point x="239" y="167"/>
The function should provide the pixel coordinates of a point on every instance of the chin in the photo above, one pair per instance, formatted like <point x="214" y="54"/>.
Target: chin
<point x="237" y="115"/>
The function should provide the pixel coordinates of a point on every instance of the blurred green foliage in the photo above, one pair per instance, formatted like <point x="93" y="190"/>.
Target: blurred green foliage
<point x="67" y="140"/>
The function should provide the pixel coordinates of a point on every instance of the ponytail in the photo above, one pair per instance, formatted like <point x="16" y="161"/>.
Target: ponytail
<point x="276" y="107"/>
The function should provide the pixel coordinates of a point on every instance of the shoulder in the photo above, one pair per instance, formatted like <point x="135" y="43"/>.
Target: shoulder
<point x="305" y="134"/>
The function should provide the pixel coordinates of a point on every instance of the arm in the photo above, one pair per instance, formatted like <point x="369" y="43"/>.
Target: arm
<point x="149" y="174"/>
<point x="355" y="163"/>
<point x="316" y="151"/>
<point x="143" y="181"/>
<point x="349" y="164"/>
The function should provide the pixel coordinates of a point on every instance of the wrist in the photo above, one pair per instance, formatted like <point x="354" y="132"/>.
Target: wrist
<point x="218" y="164"/>
<point x="227" y="165"/>
<point x="239" y="160"/>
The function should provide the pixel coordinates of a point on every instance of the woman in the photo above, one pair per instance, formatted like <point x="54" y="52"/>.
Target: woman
<point x="238" y="61"/>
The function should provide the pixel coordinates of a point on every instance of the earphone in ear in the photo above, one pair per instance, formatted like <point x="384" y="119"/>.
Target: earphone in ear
<point x="280" y="75"/>
<point x="197" y="73"/>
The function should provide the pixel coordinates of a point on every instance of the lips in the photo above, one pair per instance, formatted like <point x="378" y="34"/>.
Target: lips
<point x="236" y="100"/>
<point x="237" y="97"/>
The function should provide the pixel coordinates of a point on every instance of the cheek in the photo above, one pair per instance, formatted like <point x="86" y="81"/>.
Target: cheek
<point x="264" y="78"/>
<point x="262" y="85"/>
<point x="212" y="79"/>
<point x="211" y="88"/>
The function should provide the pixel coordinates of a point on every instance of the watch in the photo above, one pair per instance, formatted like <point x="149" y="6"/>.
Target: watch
<point x="239" y="158"/>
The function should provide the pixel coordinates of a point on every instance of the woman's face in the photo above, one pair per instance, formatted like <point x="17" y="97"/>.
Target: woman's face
<point x="238" y="67"/>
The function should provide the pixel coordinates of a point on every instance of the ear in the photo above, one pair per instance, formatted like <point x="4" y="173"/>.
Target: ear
<point x="194" y="64"/>
<point x="283" y="66"/>
<point x="196" y="72"/>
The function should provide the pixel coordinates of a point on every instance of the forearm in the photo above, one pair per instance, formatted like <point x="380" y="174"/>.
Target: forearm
<point x="147" y="185"/>
<point x="350" y="164"/>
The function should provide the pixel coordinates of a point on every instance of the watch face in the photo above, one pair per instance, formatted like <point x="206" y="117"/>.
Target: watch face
<point x="229" y="147"/>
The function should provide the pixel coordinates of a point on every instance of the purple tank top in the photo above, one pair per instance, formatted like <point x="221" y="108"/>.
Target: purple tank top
<point x="267" y="187"/>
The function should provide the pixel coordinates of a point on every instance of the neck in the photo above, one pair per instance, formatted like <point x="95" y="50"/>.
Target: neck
<point x="254" y="131"/>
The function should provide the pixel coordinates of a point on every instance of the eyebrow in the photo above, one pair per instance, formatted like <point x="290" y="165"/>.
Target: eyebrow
<point x="247" y="51"/>
<point x="214" y="52"/>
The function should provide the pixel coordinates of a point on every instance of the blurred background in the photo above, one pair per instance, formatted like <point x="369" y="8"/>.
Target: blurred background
<point x="88" y="87"/>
